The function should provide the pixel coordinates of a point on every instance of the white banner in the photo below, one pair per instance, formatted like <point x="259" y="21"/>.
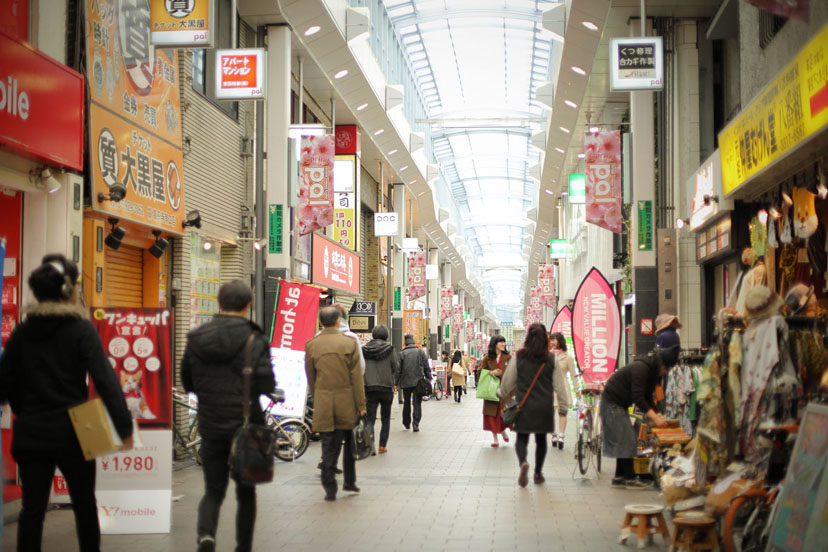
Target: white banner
<point x="289" y="369"/>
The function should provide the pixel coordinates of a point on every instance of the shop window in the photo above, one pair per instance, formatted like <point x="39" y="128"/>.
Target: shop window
<point x="769" y="26"/>
<point x="204" y="60"/>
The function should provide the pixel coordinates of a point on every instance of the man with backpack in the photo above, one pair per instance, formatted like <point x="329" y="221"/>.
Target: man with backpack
<point x="413" y="368"/>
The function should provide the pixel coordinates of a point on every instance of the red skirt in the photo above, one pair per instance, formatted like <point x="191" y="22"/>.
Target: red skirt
<point x="494" y="423"/>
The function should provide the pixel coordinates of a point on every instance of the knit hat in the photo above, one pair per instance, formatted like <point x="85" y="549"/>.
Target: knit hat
<point x="409" y="340"/>
<point x="668" y="346"/>
<point x="762" y="302"/>
<point x="798" y="297"/>
<point x="664" y="321"/>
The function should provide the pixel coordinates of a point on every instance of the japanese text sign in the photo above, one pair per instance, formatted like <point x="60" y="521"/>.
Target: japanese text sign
<point x="275" y="228"/>
<point x="335" y="266"/>
<point x="603" y="179"/>
<point x="416" y="275"/>
<point x="134" y="116"/>
<point x="182" y="23"/>
<point x="138" y="343"/>
<point x="41" y="105"/>
<point x="240" y="74"/>
<point x="345" y="220"/>
<point x="645" y="225"/>
<point x="596" y="327"/>
<point x="791" y="108"/>
<point x="316" y="166"/>
<point x="412" y="325"/>
<point x="636" y="63"/>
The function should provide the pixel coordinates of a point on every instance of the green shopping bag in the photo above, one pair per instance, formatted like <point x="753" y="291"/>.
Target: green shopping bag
<point x="487" y="386"/>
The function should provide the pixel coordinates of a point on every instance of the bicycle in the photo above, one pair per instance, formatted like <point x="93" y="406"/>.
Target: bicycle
<point x="292" y="434"/>
<point x="188" y="440"/>
<point x="438" y="390"/>
<point x="589" y="429"/>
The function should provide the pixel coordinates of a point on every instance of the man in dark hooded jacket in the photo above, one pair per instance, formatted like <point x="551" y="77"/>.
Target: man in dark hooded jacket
<point x="413" y="367"/>
<point x="212" y="369"/>
<point x="382" y="368"/>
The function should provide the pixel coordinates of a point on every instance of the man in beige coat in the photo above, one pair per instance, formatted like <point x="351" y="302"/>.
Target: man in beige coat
<point x="332" y="363"/>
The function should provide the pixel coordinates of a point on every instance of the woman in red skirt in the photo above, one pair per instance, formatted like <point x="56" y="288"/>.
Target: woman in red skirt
<point x="495" y="361"/>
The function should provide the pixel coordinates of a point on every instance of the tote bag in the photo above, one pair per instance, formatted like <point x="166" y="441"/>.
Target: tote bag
<point x="487" y="386"/>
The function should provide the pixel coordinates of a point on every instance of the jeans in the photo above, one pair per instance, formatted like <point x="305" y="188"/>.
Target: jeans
<point x="522" y="449"/>
<point x="331" y="447"/>
<point x="36" y="471"/>
<point x="458" y="392"/>
<point x="214" y="454"/>
<point x="408" y="392"/>
<point x="383" y="399"/>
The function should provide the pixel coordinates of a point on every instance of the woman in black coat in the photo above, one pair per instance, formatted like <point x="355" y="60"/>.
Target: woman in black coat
<point x="43" y="373"/>
<point x="537" y="415"/>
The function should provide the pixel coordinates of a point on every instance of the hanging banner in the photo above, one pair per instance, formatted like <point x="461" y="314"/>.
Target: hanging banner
<point x="446" y="293"/>
<point x="596" y="327"/>
<point x="182" y="23"/>
<point x="546" y="282"/>
<point x="416" y="275"/>
<point x="563" y="323"/>
<point x="469" y="330"/>
<point x="458" y="318"/>
<point x="794" y="9"/>
<point x="138" y="343"/>
<point x="412" y="325"/>
<point x="134" y="117"/>
<point x="602" y="158"/>
<point x="315" y="206"/>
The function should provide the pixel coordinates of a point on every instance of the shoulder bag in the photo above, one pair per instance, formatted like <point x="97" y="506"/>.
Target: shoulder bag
<point x="457" y="369"/>
<point x="512" y="407"/>
<point x="362" y="440"/>
<point x="253" y="446"/>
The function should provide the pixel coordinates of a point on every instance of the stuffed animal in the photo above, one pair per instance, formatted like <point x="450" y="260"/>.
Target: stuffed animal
<point x="805" y="218"/>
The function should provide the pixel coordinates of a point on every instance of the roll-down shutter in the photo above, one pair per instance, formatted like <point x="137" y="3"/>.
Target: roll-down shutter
<point x="124" y="277"/>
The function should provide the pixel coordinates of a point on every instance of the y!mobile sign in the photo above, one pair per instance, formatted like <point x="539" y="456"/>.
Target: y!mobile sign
<point x="240" y="74"/>
<point x="596" y="327"/>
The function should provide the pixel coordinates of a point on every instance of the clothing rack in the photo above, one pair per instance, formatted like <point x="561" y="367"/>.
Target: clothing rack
<point x="806" y="322"/>
<point x="693" y="356"/>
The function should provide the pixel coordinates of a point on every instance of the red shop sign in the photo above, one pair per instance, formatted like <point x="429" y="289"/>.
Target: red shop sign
<point x="41" y="105"/>
<point x="294" y="315"/>
<point x="596" y="327"/>
<point x="348" y="139"/>
<point x="138" y="343"/>
<point x="335" y="266"/>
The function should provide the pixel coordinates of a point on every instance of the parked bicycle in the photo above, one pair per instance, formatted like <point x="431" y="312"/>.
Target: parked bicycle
<point x="438" y="390"/>
<point x="588" y="447"/>
<point x="189" y="440"/>
<point x="292" y="434"/>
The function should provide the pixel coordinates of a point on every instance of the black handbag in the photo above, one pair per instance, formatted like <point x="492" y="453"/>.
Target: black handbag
<point x="423" y="388"/>
<point x="512" y="407"/>
<point x="251" y="453"/>
<point x="362" y="442"/>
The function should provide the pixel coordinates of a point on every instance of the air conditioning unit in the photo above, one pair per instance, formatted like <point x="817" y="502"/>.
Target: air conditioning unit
<point x="246" y="147"/>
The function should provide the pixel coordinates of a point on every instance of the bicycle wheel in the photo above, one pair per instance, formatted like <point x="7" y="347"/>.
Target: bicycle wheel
<point x="438" y="391"/>
<point x="194" y="444"/>
<point x="292" y="440"/>
<point x="584" y="451"/>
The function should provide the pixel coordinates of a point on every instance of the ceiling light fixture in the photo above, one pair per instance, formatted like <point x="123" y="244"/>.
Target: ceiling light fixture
<point x="578" y="70"/>
<point x="590" y="25"/>
<point x="380" y="131"/>
<point x="392" y="152"/>
<point x="571" y="104"/>
<point x="594" y="129"/>
<point x="550" y="192"/>
<point x="341" y="74"/>
<point x="403" y="168"/>
<point x="581" y="155"/>
<point x="312" y="30"/>
<point x="565" y="129"/>
<point x="363" y="106"/>
<point x="559" y="150"/>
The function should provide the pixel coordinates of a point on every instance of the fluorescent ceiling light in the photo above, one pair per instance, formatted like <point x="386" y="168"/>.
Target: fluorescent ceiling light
<point x="380" y="131"/>
<point x="578" y="70"/>
<point x="565" y="129"/>
<point x="363" y="106"/>
<point x="341" y="74"/>
<point x="312" y="30"/>
<point x="594" y="129"/>
<point x="581" y="155"/>
<point x="571" y="104"/>
<point x="590" y="25"/>
<point x="550" y="192"/>
<point x="392" y="152"/>
<point x="559" y="150"/>
<point x="403" y="168"/>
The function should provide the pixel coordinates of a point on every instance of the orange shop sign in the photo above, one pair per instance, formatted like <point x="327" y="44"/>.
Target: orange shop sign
<point x="182" y="23"/>
<point x="241" y="74"/>
<point x="134" y="116"/>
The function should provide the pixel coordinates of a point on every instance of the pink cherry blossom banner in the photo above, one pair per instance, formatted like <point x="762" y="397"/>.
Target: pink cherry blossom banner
<point x="563" y="323"/>
<point x="458" y="318"/>
<point x="316" y="170"/>
<point x="596" y="327"/>
<point x="602" y="157"/>
<point x="469" y="330"/>
<point x="416" y="275"/>
<point x="446" y="294"/>
<point x="546" y="282"/>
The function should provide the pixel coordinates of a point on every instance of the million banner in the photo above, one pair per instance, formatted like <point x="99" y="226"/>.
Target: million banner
<point x="791" y="108"/>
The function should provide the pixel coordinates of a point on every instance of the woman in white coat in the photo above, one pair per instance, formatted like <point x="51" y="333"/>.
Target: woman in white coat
<point x="557" y="346"/>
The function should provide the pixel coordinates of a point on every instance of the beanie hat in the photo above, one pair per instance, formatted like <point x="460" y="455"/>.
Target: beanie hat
<point x="668" y="346"/>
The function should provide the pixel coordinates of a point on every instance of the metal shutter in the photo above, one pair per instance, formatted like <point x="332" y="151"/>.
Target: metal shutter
<point x="124" y="277"/>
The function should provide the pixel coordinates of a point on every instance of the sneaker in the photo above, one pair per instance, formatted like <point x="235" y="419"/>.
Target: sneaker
<point x="523" y="478"/>
<point x="383" y="450"/>
<point x="539" y="478"/>
<point x="416" y="428"/>
<point x="637" y="484"/>
<point x="206" y="544"/>
<point x="554" y="440"/>
<point x="619" y="482"/>
<point x="330" y="497"/>
<point x="560" y="443"/>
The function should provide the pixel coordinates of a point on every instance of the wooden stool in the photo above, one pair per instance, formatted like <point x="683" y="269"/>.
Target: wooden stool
<point x="649" y="518"/>
<point x="694" y="531"/>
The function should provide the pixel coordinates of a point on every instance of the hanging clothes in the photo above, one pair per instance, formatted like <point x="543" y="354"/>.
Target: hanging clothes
<point x="809" y="355"/>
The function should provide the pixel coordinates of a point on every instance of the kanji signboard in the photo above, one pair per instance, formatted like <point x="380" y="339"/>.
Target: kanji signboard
<point x="182" y="23"/>
<point x="240" y="74"/>
<point x="335" y="266"/>
<point x="274" y="228"/>
<point x="636" y="63"/>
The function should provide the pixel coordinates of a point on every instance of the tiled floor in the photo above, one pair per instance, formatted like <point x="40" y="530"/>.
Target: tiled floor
<point x="443" y="488"/>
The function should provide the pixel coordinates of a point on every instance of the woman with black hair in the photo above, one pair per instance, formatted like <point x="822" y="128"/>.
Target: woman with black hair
<point x="43" y="373"/>
<point x="495" y="361"/>
<point x="530" y="374"/>
<point x="458" y="375"/>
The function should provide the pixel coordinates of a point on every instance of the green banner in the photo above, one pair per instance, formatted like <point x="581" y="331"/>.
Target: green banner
<point x="397" y="298"/>
<point x="645" y="225"/>
<point x="274" y="241"/>
<point x="558" y="248"/>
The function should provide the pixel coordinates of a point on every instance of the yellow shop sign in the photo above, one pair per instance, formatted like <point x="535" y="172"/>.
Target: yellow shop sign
<point x="791" y="108"/>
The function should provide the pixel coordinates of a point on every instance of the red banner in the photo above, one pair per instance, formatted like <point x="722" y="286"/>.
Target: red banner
<point x="795" y="9"/>
<point x="138" y="343"/>
<point x="602" y="157"/>
<point x="294" y="315"/>
<point x="335" y="266"/>
<point x="316" y="170"/>
<point x="596" y="327"/>
<point x="563" y="323"/>
<point x="416" y="275"/>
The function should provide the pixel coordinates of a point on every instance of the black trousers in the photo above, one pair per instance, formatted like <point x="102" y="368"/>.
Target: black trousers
<point x="522" y="449"/>
<point x="214" y="454"/>
<point x="382" y="399"/>
<point x="408" y="393"/>
<point x="331" y="447"/>
<point x="458" y="392"/>
<point x="36" y="472"/>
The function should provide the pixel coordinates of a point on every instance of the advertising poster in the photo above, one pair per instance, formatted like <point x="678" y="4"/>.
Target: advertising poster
<point x="294" y="323"/>
<point x="412" y="325"/>
<point x="416" y="275"/>
<point x="138" y="343"/>
<point x="316" y="170"/>
<point x="469" y="331"/>
<point x="205" y="273"/>
<point x="563" y="323"/>
<point x="182" y="23"/>
<point x="134" y="116"/>
<point x="602" y="156"/>
<point x="596" y="327"/>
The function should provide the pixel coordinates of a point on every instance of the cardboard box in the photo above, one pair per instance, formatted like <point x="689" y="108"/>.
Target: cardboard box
<point x="94" y="428"/>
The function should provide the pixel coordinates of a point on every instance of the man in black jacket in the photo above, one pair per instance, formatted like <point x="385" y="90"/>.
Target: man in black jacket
<point x="382" y="368"/>
<point x="414" y="367"/>
<point x="212" y="369"/>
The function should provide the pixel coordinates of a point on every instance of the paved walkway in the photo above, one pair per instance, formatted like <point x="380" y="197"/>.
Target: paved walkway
<point x="443" y="488"/>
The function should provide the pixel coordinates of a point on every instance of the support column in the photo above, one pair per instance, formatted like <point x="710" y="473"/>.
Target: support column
<point x="445" y="280"/>
<point x="400" y="272"/>
<point x="433" y="305"/>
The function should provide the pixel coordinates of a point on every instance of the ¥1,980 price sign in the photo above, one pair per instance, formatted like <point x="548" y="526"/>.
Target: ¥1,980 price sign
<point x="125" y="463"/>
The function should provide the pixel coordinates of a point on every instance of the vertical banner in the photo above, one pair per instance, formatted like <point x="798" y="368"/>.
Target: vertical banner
<point x="346" y="195"/>
<point x="416" y="275"/>
<point x="596" y="327"/>
<point x="316" y="166"/>
<point x="602" y="156"/>
<point x="458" y="318"/>
<point x="345" y="220"/>
<point x="469" y="331"/>
<point x="294" y="323"/>
<point x="412" y="326"/>
<point x="446" y="293"/>
<point x="546" y="281"/>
